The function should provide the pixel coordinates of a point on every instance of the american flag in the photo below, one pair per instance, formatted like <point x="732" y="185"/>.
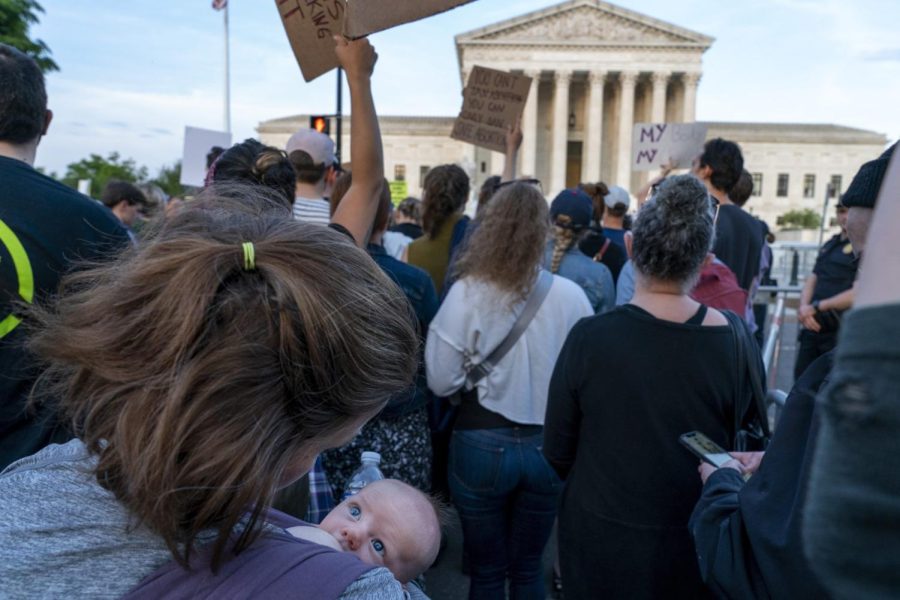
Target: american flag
<point x="219" y="4"/>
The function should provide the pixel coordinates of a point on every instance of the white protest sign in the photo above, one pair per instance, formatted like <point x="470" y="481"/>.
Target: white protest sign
<point x="656" y="144"/>
<point x="197" y="144"/>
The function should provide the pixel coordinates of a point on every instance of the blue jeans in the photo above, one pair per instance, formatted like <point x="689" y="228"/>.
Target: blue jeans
<point x="506" y="495"/>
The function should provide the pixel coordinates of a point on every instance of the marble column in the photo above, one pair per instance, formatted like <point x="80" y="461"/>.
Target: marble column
<point x="593" y="130"/>
<point x="528" y="153"/>
<point x="627" y="82"/>
<point x="658" y="105"/>
<point x="691" y="81"/>
<point x="560" y="132"/>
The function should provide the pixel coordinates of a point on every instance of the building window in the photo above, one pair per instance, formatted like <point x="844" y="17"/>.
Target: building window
<point x="399" y="172"/>
<point x="757" y="184"/>
<point x="782" y="190"/>
<point x="837" y="185"/>
<point x="423" y="171"/>
<point x="809" y="186"/>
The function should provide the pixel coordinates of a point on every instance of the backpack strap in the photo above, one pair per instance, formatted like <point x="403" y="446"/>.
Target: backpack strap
<point x="599" y="256"/>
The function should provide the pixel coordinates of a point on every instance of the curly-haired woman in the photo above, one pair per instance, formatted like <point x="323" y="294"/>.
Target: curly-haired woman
<point x="505" y="491"/>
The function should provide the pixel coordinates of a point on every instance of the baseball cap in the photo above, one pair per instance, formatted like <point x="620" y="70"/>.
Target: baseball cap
<point x="319" y="146"/>
<point x="863" y="190"/>
<point x="616" y="196"/>
<point x="574" y="204"/>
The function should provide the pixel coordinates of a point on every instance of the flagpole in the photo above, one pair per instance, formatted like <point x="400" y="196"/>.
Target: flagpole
<point x="227" y="75"/>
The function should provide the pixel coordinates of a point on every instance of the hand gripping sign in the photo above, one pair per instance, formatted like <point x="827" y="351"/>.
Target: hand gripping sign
<point x="492" y="101"/>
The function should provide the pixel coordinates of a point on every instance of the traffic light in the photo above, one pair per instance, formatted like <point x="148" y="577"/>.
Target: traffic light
<point x="320" y="123"/>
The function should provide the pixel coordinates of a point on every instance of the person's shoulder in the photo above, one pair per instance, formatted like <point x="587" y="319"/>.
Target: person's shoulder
<point x="399" y="267"/>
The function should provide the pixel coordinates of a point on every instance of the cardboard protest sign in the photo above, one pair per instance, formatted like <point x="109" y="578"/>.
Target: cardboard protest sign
<point x="311" y="26"/>
<point x="197" y="144"/>
<point x="368" y="16"/>
<point x="655" y="144"/>
<point x="492" y="101"/>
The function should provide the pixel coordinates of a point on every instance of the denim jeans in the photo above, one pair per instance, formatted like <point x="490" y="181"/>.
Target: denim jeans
<point x="506" y="495"/>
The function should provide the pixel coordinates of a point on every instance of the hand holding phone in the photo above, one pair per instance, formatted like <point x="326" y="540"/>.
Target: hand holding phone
<point x="705" y="449"/>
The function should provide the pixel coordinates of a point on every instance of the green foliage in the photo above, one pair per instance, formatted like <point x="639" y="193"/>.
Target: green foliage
<point x="168" y="179"/>
<point x="800" y="219"/>
<point x="16" y="18"/>
<point x="100" y="170"/>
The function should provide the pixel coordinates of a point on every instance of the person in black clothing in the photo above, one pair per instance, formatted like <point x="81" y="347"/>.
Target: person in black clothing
<point x="748" y="534"/>
<point x="629" y="485"/>
<point x="45" y="228"/>
<point x="408" y="218"/>
<point x="827" y="293"/>
<point x="595" y="244"/>
<point x="738" y="236"/>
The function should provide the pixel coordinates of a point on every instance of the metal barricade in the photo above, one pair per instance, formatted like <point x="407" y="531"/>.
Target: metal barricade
<point x="772" y="347"/>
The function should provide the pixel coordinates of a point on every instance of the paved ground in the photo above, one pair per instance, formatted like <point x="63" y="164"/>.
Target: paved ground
<point x="445" y="581"/>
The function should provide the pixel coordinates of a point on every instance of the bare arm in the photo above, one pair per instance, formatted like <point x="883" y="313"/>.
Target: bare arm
<point x="513" y="141"/>
<point x="357" y="209"/>
<point x="842" y="301"/>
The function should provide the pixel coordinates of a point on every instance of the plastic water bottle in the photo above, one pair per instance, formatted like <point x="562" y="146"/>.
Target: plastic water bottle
<point x="367" y="472"/>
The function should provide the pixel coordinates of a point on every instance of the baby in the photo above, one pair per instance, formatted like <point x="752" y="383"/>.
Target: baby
<point x="388" y="524"/>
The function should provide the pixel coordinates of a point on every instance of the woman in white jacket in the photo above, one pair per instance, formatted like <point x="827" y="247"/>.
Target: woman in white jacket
<point x="503" y="488"/>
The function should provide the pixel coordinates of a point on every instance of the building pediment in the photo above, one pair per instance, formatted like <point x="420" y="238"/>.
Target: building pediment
<point x="585" y="22"/>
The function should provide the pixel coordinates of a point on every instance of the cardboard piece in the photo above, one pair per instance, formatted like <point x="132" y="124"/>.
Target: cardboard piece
<point x="655" y="144"/>
<point x="369" y="16"/>
<point x="197" y="144"/>
<point x="311" y="26"/>
<point x="492" y="101"/>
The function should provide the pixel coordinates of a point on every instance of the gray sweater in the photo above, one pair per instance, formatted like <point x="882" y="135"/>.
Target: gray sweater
<point x="64" y="536"/>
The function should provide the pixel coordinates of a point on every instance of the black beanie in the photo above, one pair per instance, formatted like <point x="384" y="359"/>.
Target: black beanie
<point x="863" y="190"/>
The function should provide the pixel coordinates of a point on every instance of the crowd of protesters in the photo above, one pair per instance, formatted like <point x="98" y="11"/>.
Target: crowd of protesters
<point x="176" y="397"/>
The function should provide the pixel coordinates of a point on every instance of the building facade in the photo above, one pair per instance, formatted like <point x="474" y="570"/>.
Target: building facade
<point x="596" y="70"/>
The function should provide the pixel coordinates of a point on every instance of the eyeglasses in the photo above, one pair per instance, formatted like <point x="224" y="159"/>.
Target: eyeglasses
<point x="532" y="182"/>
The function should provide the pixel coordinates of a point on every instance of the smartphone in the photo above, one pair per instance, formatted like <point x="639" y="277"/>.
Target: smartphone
<point x="705" y="449"/>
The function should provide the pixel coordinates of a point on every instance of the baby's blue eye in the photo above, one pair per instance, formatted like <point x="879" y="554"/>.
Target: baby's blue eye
<point x="378" y="546"/>
<point x="355" y="511"/>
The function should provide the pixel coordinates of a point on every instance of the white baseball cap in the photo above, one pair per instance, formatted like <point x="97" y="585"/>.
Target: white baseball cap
<point x="319" y="146"/>
<point x="616" y="196"/>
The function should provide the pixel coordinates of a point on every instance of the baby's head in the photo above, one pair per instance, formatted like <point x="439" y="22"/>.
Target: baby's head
<point x="391" y="524"/>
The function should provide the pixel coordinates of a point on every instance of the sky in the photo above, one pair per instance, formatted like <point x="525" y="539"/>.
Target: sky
<point x="135" y="73"/>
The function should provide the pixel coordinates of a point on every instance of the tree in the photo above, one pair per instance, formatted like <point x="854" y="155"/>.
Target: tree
<point x="169" y="179"/>
<point x="800" y="219"/>
<point x="100" y="170"/>
<point x="16" y="18"/>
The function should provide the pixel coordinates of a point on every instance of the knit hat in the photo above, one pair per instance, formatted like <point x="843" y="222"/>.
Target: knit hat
<point x="319" y="146"/>
<point x="863" y="190"/>
<point x="575" y="207"/>
<point x="616" y="196"/>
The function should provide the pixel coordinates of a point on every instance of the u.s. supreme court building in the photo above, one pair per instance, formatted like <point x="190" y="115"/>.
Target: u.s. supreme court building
<point x="596" y="70"/>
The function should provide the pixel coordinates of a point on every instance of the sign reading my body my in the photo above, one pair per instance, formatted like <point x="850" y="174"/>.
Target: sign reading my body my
<point x="492" y="101"/>
<point x="310" y="27"/>
<point x="658" y="144"/>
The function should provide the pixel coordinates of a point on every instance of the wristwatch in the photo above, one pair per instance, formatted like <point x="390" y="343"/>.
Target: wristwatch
<point x="815" y="306"/>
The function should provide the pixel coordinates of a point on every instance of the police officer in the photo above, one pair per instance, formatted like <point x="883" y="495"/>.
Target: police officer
<point x="828" y="292"/>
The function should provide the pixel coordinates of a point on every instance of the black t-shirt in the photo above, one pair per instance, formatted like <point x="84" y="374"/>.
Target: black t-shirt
<point x="739" y="240"/>
<point x="409" y="230"/>
<point x="835" y="268"/>
<point x="45" y="229"/>
<point x="614" y="257"/>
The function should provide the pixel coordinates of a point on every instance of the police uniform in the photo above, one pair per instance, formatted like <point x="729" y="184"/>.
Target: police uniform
<point x="835" y="272"/>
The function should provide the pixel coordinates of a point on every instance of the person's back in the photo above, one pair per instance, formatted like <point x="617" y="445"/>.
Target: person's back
<point x="739" y="242"/>
<point x="45" y="229"/>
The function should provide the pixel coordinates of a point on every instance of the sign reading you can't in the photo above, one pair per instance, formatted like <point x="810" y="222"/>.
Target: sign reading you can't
<point x="657" y="144"/>
<point x="492" y="102"/>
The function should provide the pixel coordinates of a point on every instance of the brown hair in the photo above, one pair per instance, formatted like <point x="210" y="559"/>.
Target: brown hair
<point x="382" y="215"/>
<point x="198" y="383"/>
<point x="251" y="162"/>
<point x="445" y="192"/>
<point x="306" y="170"/>
<point x="563" y="238"/>
<point x="508" y="245"/>
<point x="597" y="192"/>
